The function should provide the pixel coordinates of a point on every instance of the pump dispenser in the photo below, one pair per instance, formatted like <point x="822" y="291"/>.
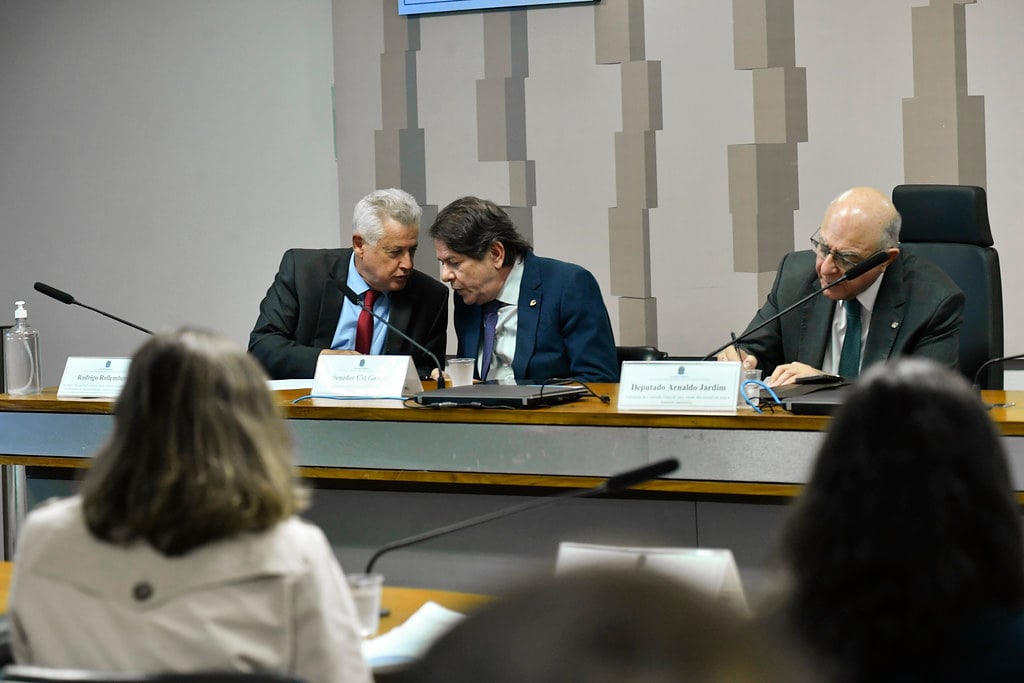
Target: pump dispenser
<point x="21" y="355"/>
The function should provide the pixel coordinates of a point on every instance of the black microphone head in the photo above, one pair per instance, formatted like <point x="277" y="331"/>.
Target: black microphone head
<point x="873" y="261"/>
<point x="54" y="293"/>
<point x="641" y="474"/>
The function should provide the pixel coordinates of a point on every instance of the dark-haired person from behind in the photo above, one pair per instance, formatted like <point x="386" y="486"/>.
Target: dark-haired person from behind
<point x="522" y="316"/>
<point x="606" y="626"/>
<point x="183" y="551"/>
<point x="905" y="549"/>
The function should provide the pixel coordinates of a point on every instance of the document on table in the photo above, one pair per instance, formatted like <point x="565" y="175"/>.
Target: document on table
<point x="405" y="643"/>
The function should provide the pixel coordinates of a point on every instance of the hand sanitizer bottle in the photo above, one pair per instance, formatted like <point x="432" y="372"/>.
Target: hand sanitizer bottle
<point x="21" y="355"/>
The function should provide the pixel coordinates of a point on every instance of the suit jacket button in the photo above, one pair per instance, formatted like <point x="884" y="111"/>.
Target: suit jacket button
<point x="142" y="591"/>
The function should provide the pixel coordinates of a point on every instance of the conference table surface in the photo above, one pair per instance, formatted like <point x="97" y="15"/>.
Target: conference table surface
<point x="570" y="445"/>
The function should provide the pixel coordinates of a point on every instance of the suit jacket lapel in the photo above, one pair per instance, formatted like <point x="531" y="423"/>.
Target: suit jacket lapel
<point x="468" y="322"/>
<point x="399" y="316"/>
<point x="886" y="316"/>
<point x="815" y="328"/>
<point x="528" y="314"/>
<point x="331" y="301"/>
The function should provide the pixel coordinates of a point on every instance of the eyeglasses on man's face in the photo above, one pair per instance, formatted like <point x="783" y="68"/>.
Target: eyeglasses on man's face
<point x="843" y="260"/>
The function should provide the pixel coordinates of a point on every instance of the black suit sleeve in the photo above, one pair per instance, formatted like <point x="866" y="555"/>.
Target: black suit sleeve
<point x="767" y="343"/>
<point x="275" y="339"/>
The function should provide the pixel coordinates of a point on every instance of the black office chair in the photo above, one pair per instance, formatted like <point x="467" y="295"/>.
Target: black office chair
<point x="948" y="225"/>
<point x="39" y="674"/>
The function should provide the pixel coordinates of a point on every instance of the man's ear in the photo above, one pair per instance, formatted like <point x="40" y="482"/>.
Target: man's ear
<point x="497" y="254"/>
<point x="892" y="254"/>
<point x="358" y="243"/>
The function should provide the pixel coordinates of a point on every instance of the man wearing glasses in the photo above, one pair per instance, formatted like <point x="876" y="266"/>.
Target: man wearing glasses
<point x="905" y="306"/>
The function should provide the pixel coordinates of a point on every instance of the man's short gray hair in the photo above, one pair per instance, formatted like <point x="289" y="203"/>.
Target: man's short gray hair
<point x="371" y="211"/>
<point x="891" y="233"/>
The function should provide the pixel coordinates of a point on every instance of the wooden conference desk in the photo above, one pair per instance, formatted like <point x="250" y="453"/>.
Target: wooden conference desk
<point x="564" y="446"/>
<point x="381" y="445"/>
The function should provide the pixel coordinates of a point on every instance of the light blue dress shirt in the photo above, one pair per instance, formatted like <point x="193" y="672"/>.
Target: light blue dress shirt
<point x="345" y="333"/>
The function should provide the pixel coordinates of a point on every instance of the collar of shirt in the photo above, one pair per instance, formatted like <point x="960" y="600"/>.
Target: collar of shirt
<point x="509" y="294"/>
<point x="507" y="327"/>
<point x="345" y="332"/>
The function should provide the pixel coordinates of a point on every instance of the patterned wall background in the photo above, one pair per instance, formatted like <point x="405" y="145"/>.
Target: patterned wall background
<point x="826" y="95"/>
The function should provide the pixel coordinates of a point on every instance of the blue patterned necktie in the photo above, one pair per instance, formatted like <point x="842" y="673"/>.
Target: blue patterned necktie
<point x="490" y="323"/>
<point x="849" y="359"/>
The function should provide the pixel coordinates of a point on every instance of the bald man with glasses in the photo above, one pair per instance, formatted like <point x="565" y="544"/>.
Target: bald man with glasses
<point x="905" y="306"/>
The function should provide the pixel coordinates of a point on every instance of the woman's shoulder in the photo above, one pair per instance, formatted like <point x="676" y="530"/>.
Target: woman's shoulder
<point x="56" y="516"/>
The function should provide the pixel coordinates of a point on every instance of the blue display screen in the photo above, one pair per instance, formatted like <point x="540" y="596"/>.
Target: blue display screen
<point x="436" y="6"/>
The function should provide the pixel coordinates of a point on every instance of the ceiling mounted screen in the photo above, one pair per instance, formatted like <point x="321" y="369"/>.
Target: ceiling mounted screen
<point x="438" y="6"/>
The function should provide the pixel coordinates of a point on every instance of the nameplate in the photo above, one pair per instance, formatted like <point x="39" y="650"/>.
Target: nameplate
<point x="88" y="377"/>
<point x="674" y="386"/>
<point x="352" y="376"/>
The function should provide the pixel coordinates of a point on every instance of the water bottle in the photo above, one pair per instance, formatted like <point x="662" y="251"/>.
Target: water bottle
<point x="21" y="355"/>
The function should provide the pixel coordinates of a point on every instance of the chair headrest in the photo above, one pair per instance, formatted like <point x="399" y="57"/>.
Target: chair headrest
<point x="943" y="213"/>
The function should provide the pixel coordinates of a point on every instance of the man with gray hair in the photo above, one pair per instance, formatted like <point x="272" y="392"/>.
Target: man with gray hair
<point x="305" y="312"/>
<point x="904" y="306"/>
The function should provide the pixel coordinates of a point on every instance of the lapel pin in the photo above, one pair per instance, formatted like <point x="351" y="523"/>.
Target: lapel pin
<point x="533" y="302"/>
<point x="894" y="324"/>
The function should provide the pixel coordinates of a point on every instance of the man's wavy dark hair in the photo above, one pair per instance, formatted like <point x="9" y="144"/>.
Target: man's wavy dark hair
<point x="909" y="528"/>
<point x="470" y="225"/>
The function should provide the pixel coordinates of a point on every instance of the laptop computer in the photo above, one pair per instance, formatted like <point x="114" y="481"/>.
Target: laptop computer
<point x="502" y="395"/>
<point x="819" y="402"/>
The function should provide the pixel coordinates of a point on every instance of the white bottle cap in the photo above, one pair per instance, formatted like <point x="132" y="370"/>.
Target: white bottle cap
<point x="19" y="311"/>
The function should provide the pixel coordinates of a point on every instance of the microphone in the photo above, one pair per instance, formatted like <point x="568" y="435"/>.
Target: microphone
<point x="992" y="361"/>
<point x="612" y="484"/>
<point x="876" y="259"/>
<point x="358" y="301"/>
<point x="66" y="298"/>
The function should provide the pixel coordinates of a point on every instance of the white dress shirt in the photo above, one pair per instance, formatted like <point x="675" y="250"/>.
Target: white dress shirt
<point x="506" y="330"/>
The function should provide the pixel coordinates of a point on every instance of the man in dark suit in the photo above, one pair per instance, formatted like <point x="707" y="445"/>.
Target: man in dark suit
<point x="905" y="306"/>
<point x="305" y="312"/>
<point x="548" y="317"/>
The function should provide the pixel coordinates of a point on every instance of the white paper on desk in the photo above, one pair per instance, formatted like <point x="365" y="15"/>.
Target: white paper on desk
<point x="284" y="384"/>
<point x="410" y="640"/>
<point x="710" y="570"/>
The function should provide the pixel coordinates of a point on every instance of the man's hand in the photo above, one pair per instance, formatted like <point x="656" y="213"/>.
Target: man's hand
<point x="736" y="354"/>
<point x="788" y="373"/>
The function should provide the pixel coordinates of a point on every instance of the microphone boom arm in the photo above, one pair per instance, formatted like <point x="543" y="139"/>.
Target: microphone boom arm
<point x="873" y="261"/>
<point x="112" y="317"/>
<point x="618" y="482"/>
<point x="358" y="301"/>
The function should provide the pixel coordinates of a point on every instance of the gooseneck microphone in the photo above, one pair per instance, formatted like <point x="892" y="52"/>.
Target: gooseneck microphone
<point x="615" y="483"/>
<point x="992" y="361"/>
<point x="876" y="259"/>
<point x="66" y="298"/>
<point x="358" y="301"/>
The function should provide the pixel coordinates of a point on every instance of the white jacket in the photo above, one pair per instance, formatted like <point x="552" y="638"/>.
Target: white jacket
<point x="273" y="601"/>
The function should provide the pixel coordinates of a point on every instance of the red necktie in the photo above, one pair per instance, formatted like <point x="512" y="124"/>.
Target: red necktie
<point x="364" y="326"/>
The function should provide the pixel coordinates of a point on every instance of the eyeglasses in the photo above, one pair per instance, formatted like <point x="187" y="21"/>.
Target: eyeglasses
<point x="843" y="261"/>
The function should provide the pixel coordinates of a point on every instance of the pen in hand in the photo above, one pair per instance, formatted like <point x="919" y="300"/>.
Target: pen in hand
<point x="739" y="352"/>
